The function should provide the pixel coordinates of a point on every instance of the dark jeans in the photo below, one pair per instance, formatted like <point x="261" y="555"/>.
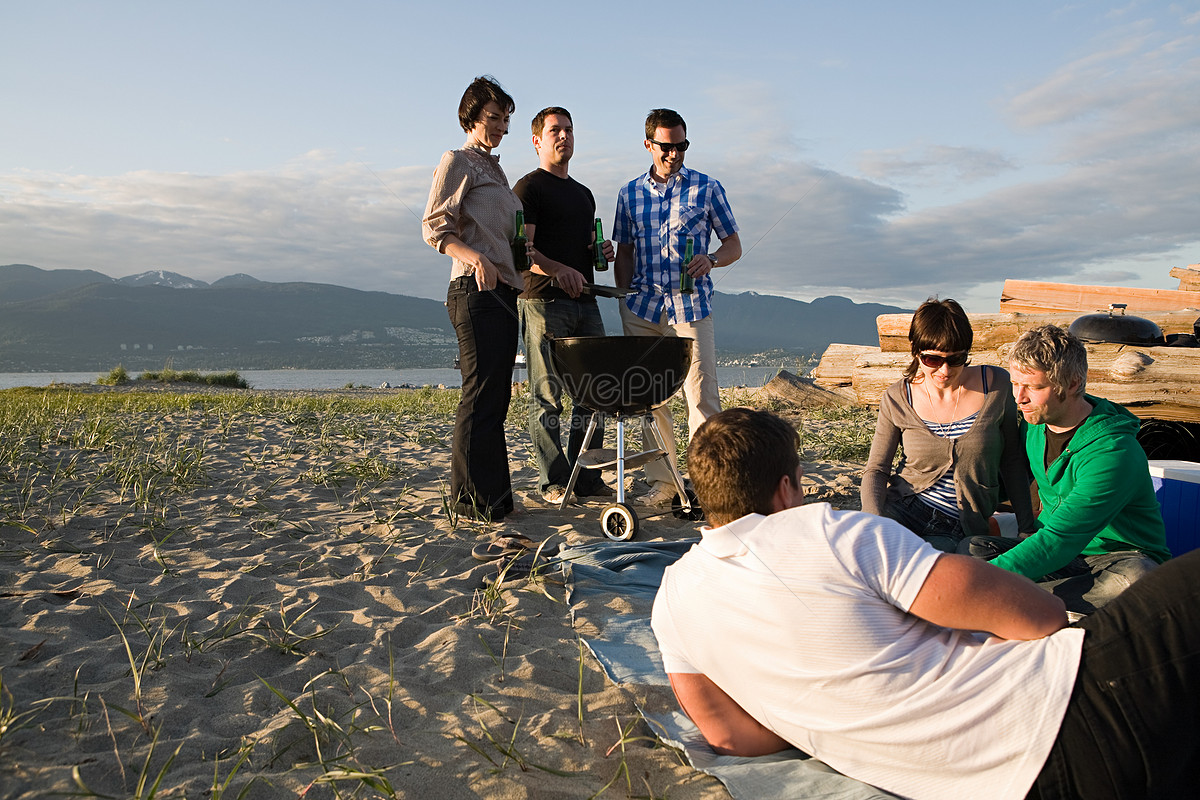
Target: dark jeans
<point x="1132" y="727"/>
<point x="542" y="320"/>
<point x="1087" y="583"/>
<point x="934" y="526"/>
<point x="486" y="325"/>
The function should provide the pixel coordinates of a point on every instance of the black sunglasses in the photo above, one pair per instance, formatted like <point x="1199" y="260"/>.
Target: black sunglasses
<point x="935" y="361"/>
<point x="669" y="146"/>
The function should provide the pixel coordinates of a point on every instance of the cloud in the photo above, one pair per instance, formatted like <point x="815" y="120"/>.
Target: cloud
<point x="1112" y="191"/>
<point x="315" y="220"/>
<point x="935" y="164"/>
<point x="855" y="236"/>
<point x="1116" y="191"/>
<point x="1140" y="93"/>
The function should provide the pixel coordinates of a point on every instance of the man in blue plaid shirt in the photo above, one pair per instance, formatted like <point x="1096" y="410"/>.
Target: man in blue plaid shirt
<point x="656" y="213"/>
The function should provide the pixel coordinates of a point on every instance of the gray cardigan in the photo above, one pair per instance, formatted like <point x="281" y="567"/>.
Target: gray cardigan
<point x="990" y="450"/>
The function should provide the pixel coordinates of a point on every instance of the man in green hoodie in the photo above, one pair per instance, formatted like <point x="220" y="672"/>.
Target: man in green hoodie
<point x="1100" y="527"/>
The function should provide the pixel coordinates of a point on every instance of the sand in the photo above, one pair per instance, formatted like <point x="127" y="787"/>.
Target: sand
<point x="198" y="604"/>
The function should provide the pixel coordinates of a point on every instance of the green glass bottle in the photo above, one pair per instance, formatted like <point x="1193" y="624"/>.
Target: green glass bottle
<point x="687" y="284"/>
<point x="519" y="245"/>
<point x="601" y="264"/>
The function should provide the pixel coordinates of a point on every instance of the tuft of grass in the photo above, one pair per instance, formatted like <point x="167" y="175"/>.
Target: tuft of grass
<point x="494" y="743"/>
<point x="579" y="692"/>
<point x="333" y="744"/>
<point x="143" y="790"/>
<point x="844" y="433"/>
<point x="390" y="698"/>
<point x="11" y="720"/>
<point x="624" y="737"/>
<point x="138" y="713"/>
<point x="285" y="636"/>
<point x="167" y="375"/>
<point x="219" y="788"/>
<point x="117" y="376"/>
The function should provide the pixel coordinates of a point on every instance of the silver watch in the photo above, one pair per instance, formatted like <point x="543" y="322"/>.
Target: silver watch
<point x="713" y="258"/>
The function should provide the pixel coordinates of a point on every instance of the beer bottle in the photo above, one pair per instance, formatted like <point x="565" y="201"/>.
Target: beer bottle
<point x="687" y="284"/>
<point x="520" y="253"/>
<point x="600" y="263"/>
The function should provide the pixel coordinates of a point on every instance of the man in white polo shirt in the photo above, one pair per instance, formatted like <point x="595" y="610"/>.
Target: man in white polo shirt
<point x="927" y="674"/>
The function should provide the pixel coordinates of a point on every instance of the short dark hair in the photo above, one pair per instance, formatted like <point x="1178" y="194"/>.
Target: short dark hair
<point x="938" y="325"/>
<point x="736" y="460"/>
<point x="483" y="90"/>
<point x="663" y="118"/>
<point x="1057" y="353"/>
<point x="539" y="122"/>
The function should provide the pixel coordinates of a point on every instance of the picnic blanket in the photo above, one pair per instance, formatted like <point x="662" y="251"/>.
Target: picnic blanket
<point x="611" y="588"/>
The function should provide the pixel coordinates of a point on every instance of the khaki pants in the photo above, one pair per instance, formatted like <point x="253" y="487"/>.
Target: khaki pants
<point x="699" y="388"/>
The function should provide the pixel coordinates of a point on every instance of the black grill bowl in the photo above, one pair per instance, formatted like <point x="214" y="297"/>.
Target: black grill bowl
<point x="621" y="374"/>
<point x="1117" y="329"/>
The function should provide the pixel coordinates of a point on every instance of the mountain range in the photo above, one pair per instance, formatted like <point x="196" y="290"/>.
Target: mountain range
<point x="79" y="320"/>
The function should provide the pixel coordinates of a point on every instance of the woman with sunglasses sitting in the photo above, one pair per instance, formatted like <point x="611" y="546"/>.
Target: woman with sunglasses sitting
<point x="957" y="427"/>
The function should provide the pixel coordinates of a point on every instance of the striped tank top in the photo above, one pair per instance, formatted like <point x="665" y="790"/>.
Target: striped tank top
<point x="942" y="495"/>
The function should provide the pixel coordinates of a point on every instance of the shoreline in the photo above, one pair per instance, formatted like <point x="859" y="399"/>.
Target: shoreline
<point x="728" y="375"/>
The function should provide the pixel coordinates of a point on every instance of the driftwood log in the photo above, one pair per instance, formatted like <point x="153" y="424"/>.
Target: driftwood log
<point x="804" y="392"/>
<point x="835" y="370"/>
<point x="993" y="330"/>
<point x="1152" y="382"/>
<point x="1189" y="277"/>
<point x="1037" y="297"/>
<point x="1157" y="382"/>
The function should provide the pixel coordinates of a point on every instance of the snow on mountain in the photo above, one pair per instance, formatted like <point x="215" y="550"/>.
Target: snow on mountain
<point x="160" y="277"/>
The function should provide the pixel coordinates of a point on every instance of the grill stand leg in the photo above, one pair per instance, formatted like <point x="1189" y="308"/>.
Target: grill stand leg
<point x="587" y="437"/>
<point x="660" y="452"/>
<point x="684" y="501"/>
<point x="620" y="458"/>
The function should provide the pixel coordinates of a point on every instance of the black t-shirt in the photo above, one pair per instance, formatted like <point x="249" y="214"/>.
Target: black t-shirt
<point x="1056" y="443"/>
<point x="564" y="212"/>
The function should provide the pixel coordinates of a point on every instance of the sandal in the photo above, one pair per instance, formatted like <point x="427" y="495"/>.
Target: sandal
<point x="521" y="566"/>
<point x="514" y="545"/>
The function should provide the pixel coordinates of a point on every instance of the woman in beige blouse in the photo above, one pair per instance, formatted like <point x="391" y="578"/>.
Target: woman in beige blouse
<point x="471" y="217"/>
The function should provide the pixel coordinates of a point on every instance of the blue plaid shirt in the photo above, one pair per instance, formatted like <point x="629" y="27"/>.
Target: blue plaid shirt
<point x="657" y="218"/>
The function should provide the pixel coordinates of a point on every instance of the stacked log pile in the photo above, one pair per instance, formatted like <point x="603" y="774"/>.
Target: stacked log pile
<point x="1152" y="382"/>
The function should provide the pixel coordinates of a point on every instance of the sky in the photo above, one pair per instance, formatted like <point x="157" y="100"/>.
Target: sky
<point x="880" y="151"/>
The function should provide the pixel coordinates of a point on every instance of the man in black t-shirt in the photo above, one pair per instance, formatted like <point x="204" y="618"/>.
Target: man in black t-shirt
<point x="559" y="217"/>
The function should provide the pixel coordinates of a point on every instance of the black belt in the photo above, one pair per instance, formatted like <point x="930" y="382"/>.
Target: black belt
<point x="468" y="281"/>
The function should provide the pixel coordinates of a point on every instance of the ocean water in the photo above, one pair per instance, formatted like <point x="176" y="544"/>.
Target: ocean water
<point x="339" y="378"/>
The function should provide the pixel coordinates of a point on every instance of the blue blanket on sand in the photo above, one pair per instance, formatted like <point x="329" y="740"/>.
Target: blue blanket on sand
<point x="601" y="572"/>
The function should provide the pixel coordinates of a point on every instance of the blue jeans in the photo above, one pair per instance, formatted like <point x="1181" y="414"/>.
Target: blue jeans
<point x="933" y="525"/>
<point x="1132" y="726"/>
<point x="1085" y="584"/>
<point x="541" y="321"/>
<point x="486" y="325"/>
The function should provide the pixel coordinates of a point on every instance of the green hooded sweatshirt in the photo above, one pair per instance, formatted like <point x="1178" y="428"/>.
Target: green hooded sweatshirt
<point x="1097" y="497"/>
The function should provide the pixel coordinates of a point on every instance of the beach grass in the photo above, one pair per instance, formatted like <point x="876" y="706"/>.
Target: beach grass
<point x="259" y="594"/>
<point x="118" y="376"/>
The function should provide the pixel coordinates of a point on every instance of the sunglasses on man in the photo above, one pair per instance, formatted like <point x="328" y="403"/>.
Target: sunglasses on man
<point x="934" y="361"/>
<point x="667" y="147"/>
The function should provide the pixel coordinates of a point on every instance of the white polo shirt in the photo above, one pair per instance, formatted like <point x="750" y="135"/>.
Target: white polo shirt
<point x="801" y="617"/>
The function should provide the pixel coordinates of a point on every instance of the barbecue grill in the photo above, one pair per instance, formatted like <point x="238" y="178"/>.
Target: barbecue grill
<point x="625" y="377"/>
